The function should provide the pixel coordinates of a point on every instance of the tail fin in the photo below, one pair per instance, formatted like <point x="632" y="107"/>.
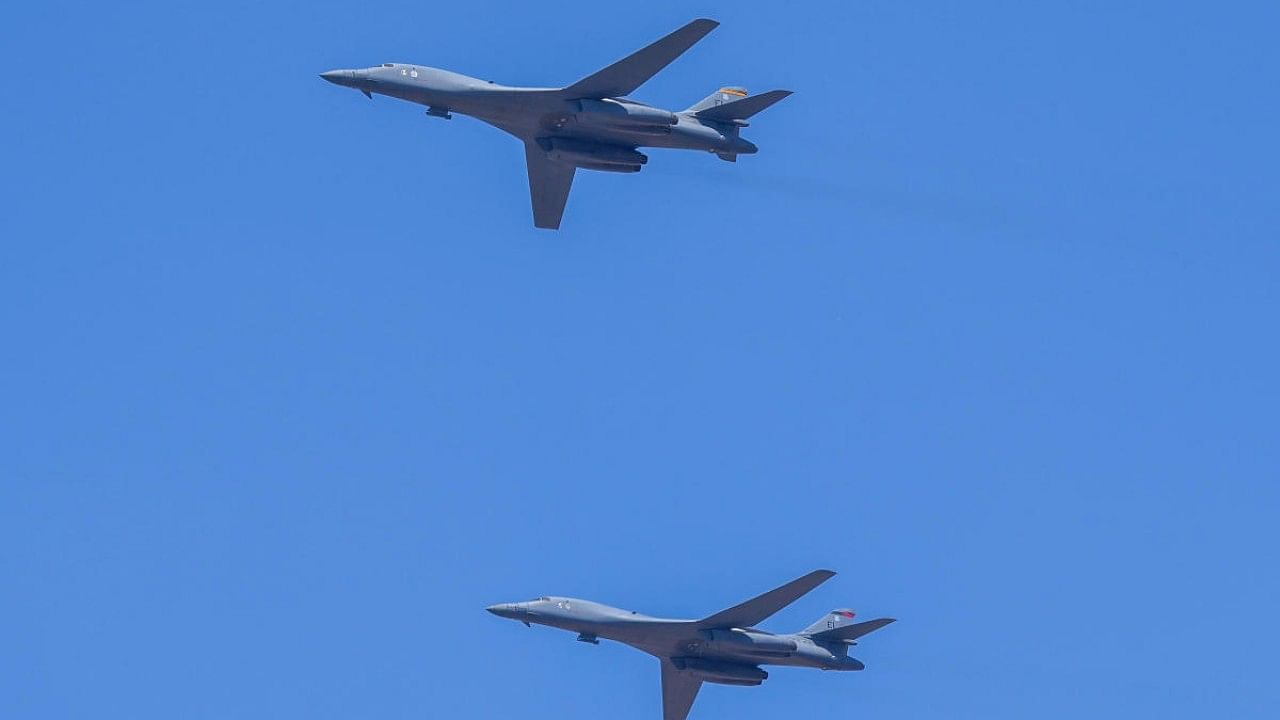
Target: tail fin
<point x="733" y="104"/>
<point x="833" y="620"/>
<point x="719" y="97"/>
<point x="839" y="625"/>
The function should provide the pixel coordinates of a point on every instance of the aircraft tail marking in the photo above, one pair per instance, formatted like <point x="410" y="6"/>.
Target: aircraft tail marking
<point x="838" y="625"/>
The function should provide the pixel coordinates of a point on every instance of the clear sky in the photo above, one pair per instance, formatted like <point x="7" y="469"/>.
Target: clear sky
<point x="291" y="389"/>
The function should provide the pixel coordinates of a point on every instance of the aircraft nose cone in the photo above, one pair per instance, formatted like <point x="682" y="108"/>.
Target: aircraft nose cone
<point x="510" y="611"/>
<point x="337" y="77"/>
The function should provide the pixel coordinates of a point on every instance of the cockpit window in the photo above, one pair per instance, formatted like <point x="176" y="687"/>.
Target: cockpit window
<point x="388" y="64"/>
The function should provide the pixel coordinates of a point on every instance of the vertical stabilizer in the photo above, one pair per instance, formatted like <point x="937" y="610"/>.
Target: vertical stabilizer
<point x="833" y="620"/>
<point x="735" y="111"/>
<point x="719" y="97"/>
<point x="838" y="626"/>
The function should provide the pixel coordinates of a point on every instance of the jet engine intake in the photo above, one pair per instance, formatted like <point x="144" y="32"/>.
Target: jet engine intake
<point x="595" y="156"/>
<point x="723" y="673"/>
<point x="625" y="116"/>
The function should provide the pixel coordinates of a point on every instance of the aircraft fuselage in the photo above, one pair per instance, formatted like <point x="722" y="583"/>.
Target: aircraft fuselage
<point x="677" y="638"/>
<point x="544" y="113"/>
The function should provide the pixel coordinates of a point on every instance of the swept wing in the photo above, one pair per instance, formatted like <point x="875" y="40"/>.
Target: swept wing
<point x="549" y="183"/>
<point x="678" y="692"/>
<point x="755" y="610"/>
<point x="629" y="73"/>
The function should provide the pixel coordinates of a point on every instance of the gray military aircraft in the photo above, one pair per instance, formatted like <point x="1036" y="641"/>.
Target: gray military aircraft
<point x="725" y="648"/>
<point x="589" y="124"/>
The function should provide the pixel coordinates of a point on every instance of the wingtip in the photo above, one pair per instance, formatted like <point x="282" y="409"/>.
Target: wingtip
<point x="817" y="577"/>
<point x="711" y="24"/>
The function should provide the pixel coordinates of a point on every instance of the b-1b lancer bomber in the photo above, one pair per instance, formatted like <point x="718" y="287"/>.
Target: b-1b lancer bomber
<point x="590" y="124"/>
<point x="725" y="648"/>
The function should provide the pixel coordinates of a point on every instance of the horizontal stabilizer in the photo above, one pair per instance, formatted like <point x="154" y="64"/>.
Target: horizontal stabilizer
<point x="849" y="633"/>
<point x="755" y="610"/>
<point x="629" y="73"/>
<point x="744" y="108"/>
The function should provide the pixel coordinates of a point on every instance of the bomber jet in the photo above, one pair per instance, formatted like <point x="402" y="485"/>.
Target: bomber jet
<point x="725" y="648"/>
<point x="590" y="124"/>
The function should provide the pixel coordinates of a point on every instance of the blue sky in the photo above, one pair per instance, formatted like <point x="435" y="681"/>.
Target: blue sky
<point x="292" y="389"/>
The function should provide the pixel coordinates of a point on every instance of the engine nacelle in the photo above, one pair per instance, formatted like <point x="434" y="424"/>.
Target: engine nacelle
<point x="625" y="116"/>
<point x="715" y="671"/>
<point x="745" y="642"/>
<point x="607" y="167"/>
<point x="595" y="156"/>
